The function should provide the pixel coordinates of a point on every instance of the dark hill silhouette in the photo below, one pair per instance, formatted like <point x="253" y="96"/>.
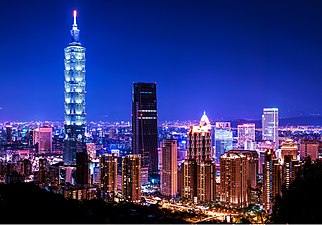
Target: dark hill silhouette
<point x="25" y="203"/>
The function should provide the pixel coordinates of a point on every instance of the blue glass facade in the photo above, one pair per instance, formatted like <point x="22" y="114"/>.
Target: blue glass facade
<point x="223" y="139"/>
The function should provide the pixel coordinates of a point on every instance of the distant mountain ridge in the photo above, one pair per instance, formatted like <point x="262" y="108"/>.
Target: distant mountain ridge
<point x="291" y="121"/>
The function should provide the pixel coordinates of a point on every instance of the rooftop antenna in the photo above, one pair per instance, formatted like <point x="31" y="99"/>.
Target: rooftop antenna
<point x="75" y="15"/>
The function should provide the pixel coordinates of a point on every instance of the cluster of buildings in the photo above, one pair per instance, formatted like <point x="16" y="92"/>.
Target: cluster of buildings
<point x="199" y="163"/>
<point x="249" y="173"/>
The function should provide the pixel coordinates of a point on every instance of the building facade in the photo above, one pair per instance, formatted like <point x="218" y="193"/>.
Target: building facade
<point x="145" y="125"/>
<point x="234" y="179"/>
<point x="108" y="173"/>
<point x="169" y="168"/>
<point x="197" y="175"/>
<point x="131" y="177"/>
<point x="309" y="148"/>
<point x="43" y="136"/>
<point x="288" y="147"/>
<point x="223" y="139"/>
<point x="270" y="125"/>
<point x="246" y="133"/>
<point x="199" y="143"/>
<point x="291" y="169"/>
<point x="272" y="180"/>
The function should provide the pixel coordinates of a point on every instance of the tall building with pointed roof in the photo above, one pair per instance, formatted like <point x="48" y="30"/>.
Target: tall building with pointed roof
<point x="74" y="106"/>
<point x="197" y="173"/>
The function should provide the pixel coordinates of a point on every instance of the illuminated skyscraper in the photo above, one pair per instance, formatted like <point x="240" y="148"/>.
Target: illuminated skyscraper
<point x="270" y="125"/>
<point x="43" y="136"/>
<point x="145" y="125"/>
<point x="206" y="181"/>
<point x="309" y="148"/>
<point x="75" y="116"/>
<point x="246" y="133"/>
<point x="198" y="172"/>
<point x="252" y="157"/>
<point x="131" y="177"/>
<point x="288" y="147"/>
<point x="199" y="143"/>
<point x="223" y="138"/>
<point x="108" y="173"/>
<point x="261" y="150"/>
<point x="272" y="179"/>
<point x="169" y="168"/>
<point x="234" y="179"/>
<point x="188" y="178"/>
<point x="291" y="168"/>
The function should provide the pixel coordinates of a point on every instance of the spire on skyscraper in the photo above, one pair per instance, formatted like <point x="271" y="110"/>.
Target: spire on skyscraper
<point x="75" y="15"/>
<point x="75" y="31"/>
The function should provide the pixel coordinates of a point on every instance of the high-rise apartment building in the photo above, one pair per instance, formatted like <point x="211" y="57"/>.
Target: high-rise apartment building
<point x="309" y="148"/>
<point x="253" y="161"/>
<point x="131" y="177"/>
<point x="206" y="181"/>
<point x="43" y="136"/>
<point x="108" y="173"/>
<point x="270" y="125"/>
<point x="291" y="168"/>
<point x="199" y="143"/>
<point x="223" y="138"/>
<point x="261" y="150"/>
<point x="234" y="171"/>
<point x="288" y="147"/>
<point x="188" y="179"/>
<point x="169" y="168"/>
<point x="246" y="133"/>
<point x="75" y="115"/>
<point x="145" y="125"/>
<point x="197" y="175"/>
<point x="272" y="180"/>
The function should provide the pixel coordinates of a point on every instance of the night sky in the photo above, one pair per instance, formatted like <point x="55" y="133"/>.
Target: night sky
<point x="230" y="58"/>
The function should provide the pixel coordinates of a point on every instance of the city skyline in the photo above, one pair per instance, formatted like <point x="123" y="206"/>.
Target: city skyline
<point x="200" y="58"/>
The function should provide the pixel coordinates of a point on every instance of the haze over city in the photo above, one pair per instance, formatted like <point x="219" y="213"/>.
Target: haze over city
<point x="229" y="58"/>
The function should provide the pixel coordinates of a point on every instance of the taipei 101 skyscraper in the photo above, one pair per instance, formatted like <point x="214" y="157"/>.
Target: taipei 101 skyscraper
<point x="75" y="115"/>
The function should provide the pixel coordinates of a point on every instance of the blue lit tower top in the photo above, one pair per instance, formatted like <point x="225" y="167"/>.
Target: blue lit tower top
<point x="75" y="80"/>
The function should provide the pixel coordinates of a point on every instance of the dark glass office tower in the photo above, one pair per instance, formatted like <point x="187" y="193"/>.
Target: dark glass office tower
<point x="75" y="115"/>
<point x="145" y="125"/>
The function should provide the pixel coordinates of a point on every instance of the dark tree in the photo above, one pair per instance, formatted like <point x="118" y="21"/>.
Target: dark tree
<point x="301" y="203"/>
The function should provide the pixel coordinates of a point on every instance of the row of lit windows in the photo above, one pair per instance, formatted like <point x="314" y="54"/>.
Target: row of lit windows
<point x="147" y="118"/>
